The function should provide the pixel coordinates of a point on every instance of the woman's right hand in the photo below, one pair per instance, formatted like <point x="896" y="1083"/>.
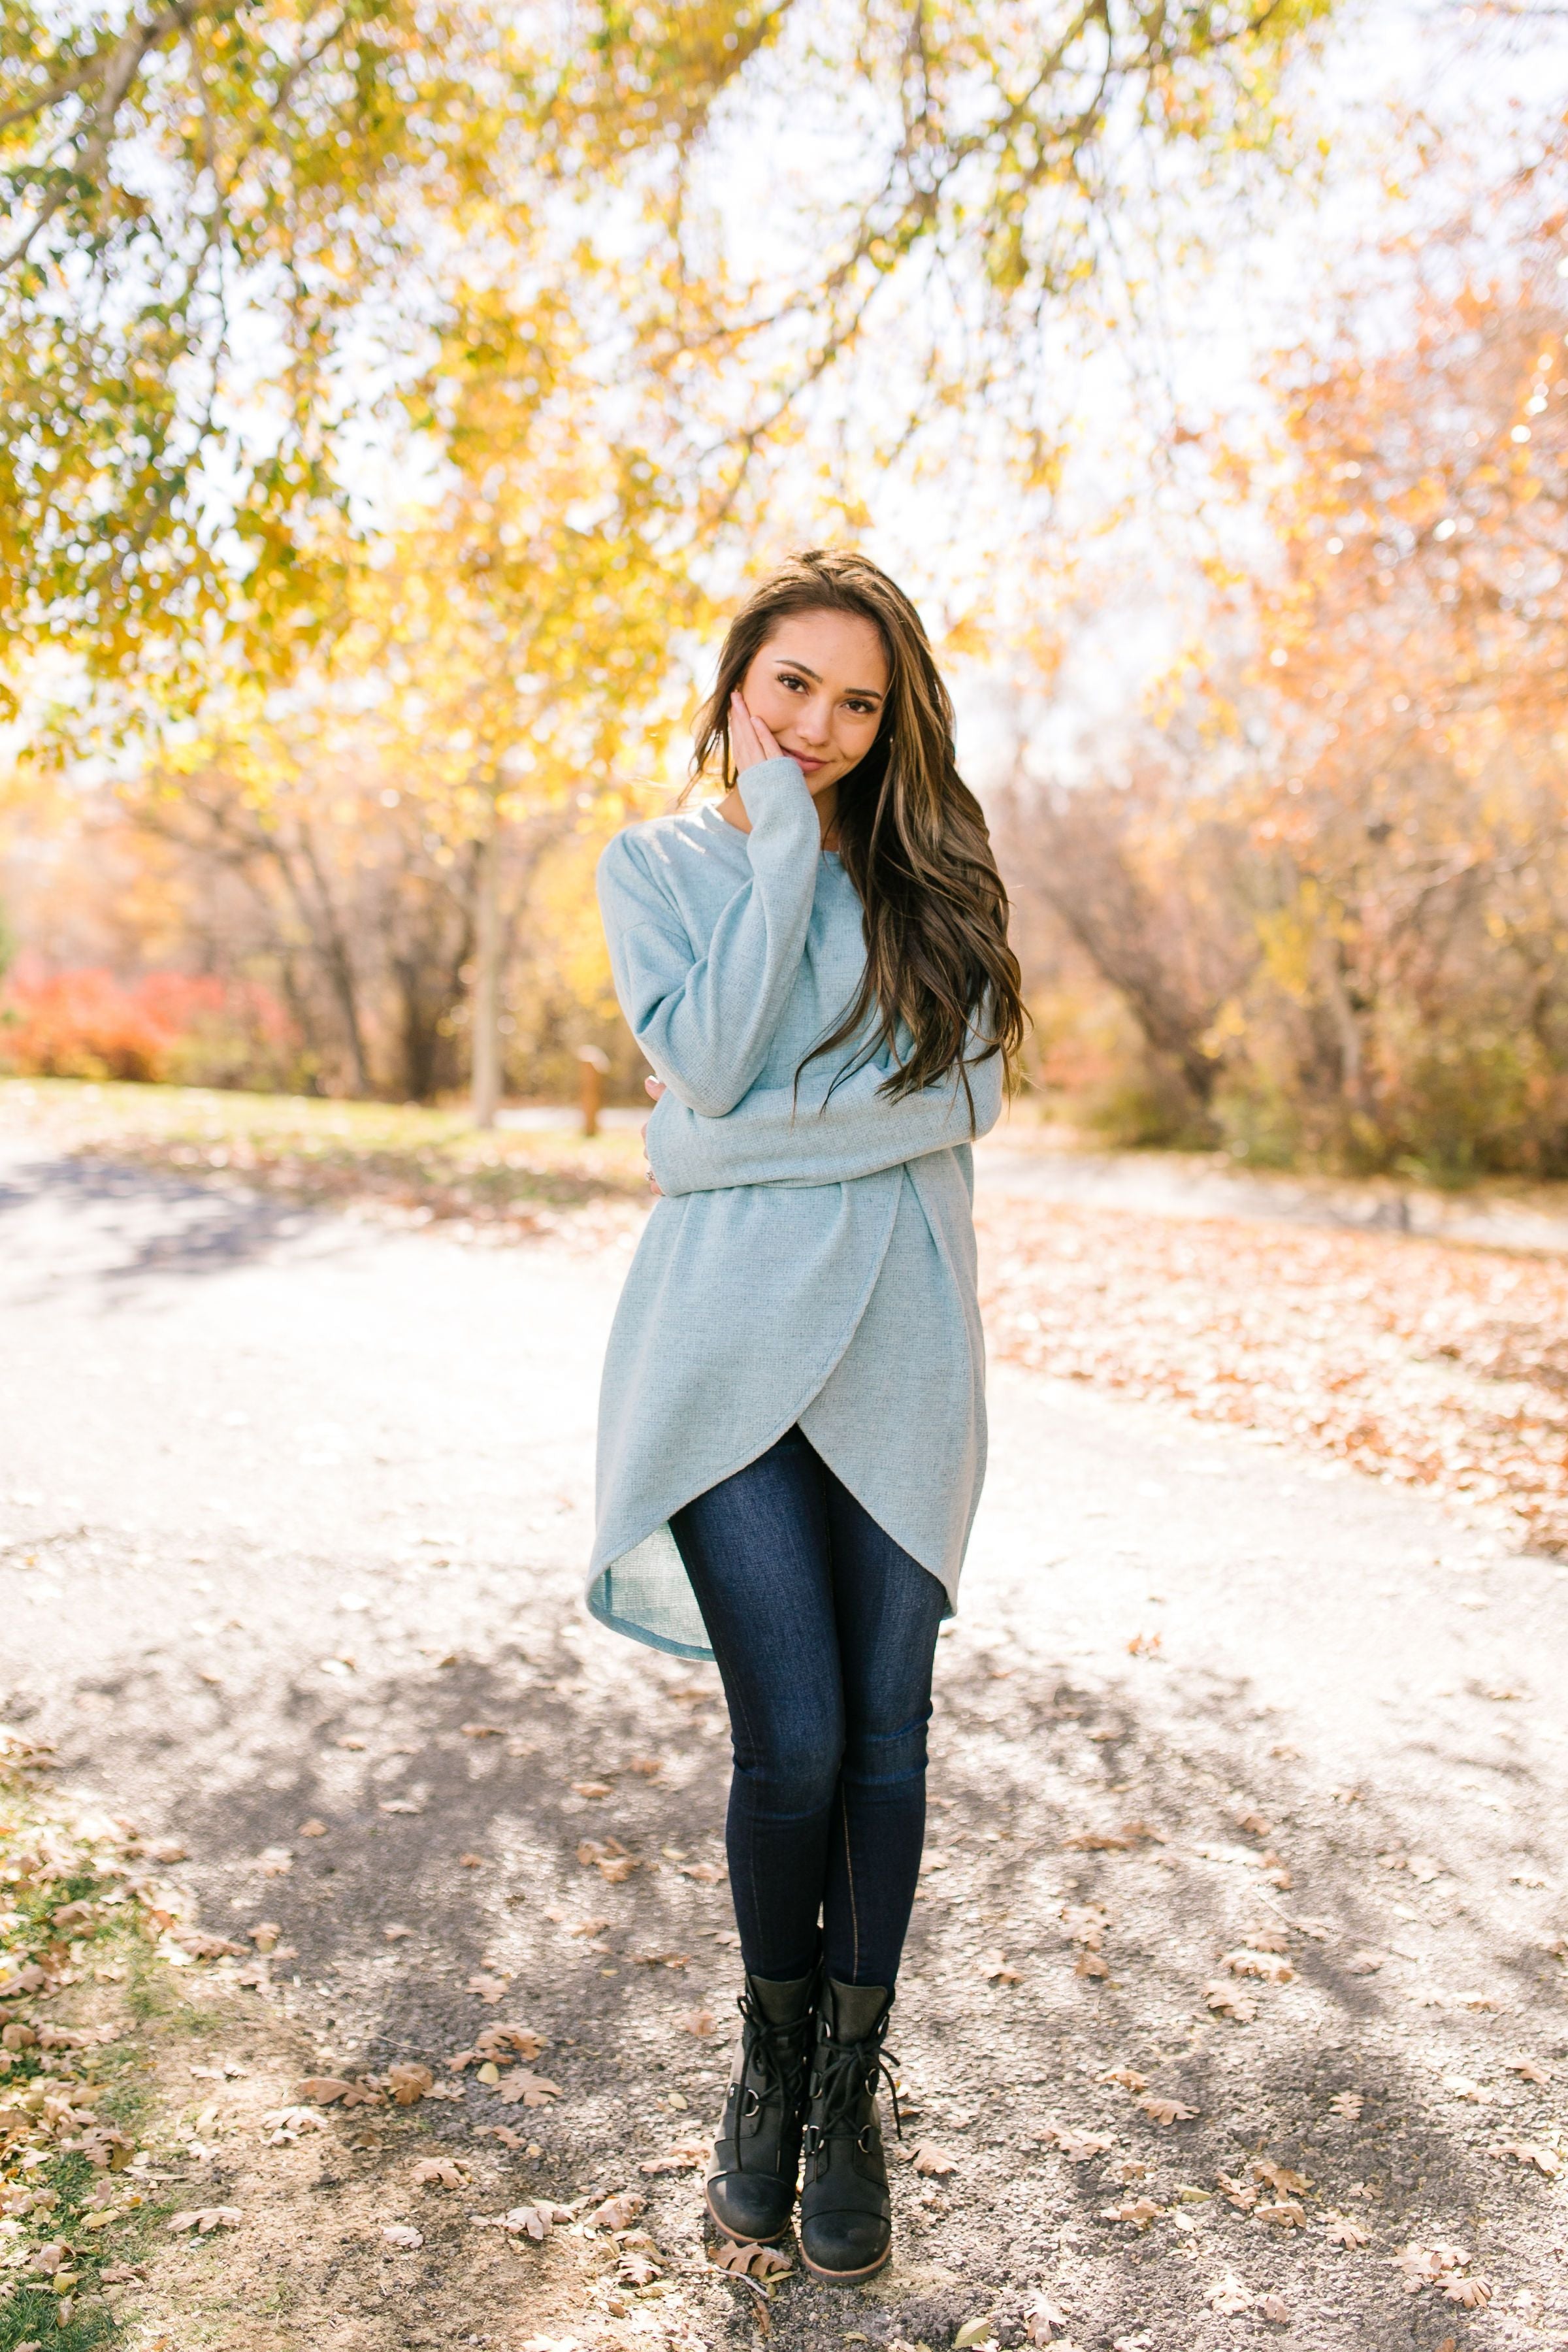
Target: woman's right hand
<point x="751" y="741"/>
<point x="654" y="1087"/>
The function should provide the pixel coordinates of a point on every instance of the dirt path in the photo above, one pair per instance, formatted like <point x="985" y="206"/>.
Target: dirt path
<point x="291" y="1517"/>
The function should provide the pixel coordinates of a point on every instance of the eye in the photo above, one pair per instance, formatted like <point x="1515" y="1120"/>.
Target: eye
<point x="861" y="709"/>
<point x="788" y="678"/>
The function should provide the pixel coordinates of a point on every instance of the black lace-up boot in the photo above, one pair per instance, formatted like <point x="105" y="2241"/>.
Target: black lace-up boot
<point x="846" y="2214"/>
<point x="750" y="2181"/>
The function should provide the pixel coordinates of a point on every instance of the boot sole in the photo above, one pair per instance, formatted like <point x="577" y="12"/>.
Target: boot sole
<point x="734" y="2236"/>
<point x="847" y="2278"/>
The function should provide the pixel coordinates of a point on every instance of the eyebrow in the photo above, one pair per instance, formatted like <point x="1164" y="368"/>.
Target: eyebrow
<point x="868" y="693"/>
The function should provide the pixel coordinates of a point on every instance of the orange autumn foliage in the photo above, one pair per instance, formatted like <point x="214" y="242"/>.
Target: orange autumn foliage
<point x="163" y="1026"/>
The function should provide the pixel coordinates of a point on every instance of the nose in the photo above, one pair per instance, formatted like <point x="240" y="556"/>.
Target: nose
<point x="814" y="725"/>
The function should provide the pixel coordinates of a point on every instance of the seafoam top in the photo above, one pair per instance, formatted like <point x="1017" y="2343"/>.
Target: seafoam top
<point x="813" y="1257"/>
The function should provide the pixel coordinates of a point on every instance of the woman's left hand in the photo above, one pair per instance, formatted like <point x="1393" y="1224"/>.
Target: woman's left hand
<point x="655" y="1087"/>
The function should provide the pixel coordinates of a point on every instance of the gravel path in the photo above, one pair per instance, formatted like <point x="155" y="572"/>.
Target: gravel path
<point x="292" y="1518"/>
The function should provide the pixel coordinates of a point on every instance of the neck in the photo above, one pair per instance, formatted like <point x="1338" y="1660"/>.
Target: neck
<point x="732" y="809"/>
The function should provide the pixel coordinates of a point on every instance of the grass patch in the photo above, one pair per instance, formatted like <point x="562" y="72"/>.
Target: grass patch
<point x="429" y="1164"/>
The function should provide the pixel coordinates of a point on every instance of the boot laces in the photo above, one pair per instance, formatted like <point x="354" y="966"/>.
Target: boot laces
<point x="775" y="2057"/>
<point x="852" y="2071"/>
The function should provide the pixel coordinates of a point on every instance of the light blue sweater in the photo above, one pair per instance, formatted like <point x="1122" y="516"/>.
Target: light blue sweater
<point x="813" y="1257"/>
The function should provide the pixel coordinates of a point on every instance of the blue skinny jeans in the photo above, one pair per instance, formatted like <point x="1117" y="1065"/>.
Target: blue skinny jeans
<point x="823" y="1631"/>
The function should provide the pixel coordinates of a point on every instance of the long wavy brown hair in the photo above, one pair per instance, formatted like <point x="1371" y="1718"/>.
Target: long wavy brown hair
<point x="910" y="833"/>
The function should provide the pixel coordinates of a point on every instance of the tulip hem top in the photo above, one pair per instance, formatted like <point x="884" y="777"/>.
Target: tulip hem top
<point x="812" y="1259"/>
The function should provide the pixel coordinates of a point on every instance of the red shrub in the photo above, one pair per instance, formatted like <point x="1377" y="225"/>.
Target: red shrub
<point x="165" y="1025"/>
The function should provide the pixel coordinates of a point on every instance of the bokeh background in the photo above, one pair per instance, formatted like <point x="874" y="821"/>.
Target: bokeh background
<point x="395" y="399"/>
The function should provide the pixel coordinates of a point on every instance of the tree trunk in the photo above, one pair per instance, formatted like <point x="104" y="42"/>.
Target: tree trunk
<point x="486" y="1022"/>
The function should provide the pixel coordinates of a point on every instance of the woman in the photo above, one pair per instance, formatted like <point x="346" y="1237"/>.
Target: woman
<point x="791" y="1427"/>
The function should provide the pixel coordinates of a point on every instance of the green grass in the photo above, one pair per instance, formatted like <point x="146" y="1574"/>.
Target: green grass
<point x="433" y="1161"/>
<point x="103" y="2078"/>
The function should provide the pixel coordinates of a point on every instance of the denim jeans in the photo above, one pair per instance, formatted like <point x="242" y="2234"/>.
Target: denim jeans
<point x="823" y="1632"/>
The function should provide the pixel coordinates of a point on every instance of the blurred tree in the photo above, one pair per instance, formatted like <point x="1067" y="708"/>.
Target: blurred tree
<point x="236" y="224"/>
<point x="1333" y="892"/>
<point x="500" y="680"/>
<point x="227" y="225"/>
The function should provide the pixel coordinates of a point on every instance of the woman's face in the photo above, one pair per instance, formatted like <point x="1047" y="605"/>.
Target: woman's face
<point x="819" y="684"/>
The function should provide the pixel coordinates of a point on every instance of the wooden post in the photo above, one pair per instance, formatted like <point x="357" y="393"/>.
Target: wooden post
<point x="595" y="1065"/>
<point x="486" y="1022"/>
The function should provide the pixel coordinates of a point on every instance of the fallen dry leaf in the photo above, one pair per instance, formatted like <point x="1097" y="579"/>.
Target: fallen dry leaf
<point x="440" y="2172"/>
<point x="592" y="1789"/>
<point x="1228" y="2296"/>
<point x="1530" y="2069"/>
<point x="1348" y="2104"/>
<point x="205" y="2219"/>
<point x="752" y="2261"/>
<point x="933" y="2162"/>
<point x="1078" y="2146"/>
<point x="1117" y="1840"/>
<point x="1341" y="2231"/>
<point x="312" y="1828"/>
<point x="496" y="2041"/>
<point x="686" y="2156"/>
<point x="532" y="2090"/>
<point x="1042" y="2318"/>
<point x="995" y="1969"/>
<point x="204" y="1947"/>
<point x="1140" y="2209"/>
<point x="488" y="1988"/>
<point x="1126" y="2077"/>
<point x="706" y="1874"/>
<point x="325" y="2089"/>
<point x="1280" y="2176"/>
<point x="408" y="2084"/>
<point x="283" y="2125"/>
<point x="1268" y="1967"/>
<point x="1427" y="2266"/>
<point x="399" y="2233"/>
<point x="1274" y="2307"/>
<point x="1167" y="2111"/>
<point x="616" y="2212"/>
<point x="1226" y="2001"/>
<point x="1472" y="2293"/>
<point x="590" y="1926"/>
<point x="1090" y="1964"/>
<point x="697" y="2022"/>
<point x="1530" y="2152"/>
<point x="535" y="2222"/>
<point x="1284" y="2213"/>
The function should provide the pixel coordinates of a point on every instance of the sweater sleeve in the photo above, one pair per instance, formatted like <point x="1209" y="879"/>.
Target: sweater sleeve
<point x="705" y="1022"/>
<point x="777" y="1135"/>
